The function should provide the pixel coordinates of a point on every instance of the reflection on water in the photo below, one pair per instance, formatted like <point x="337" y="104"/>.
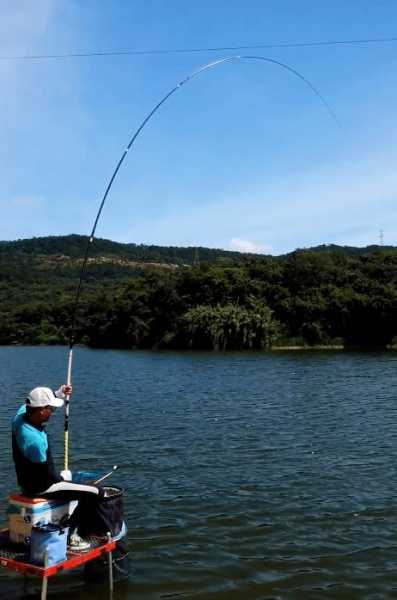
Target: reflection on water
<point x="248" y="476"/>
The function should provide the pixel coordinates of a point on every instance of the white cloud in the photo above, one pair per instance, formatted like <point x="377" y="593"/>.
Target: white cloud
<point x="343" y="203"/>
<point x="249" y="246"/>
<point x="27" y="202"/>
<point x="24" y="27"/>
<point x="24" y="23"/>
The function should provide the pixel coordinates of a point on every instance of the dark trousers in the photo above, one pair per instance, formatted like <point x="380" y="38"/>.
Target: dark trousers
<point x="88" y="497"/>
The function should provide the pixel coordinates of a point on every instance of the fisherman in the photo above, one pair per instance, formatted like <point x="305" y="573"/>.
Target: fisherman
<point x="36" y="473"/>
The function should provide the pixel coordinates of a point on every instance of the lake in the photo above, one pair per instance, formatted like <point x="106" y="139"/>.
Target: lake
<point x="248" y="476"/>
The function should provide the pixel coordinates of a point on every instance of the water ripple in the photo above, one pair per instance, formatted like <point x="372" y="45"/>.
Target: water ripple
<point x="248" y="476"/>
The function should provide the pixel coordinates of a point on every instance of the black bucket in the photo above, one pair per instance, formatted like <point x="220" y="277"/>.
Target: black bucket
<point x="108" y="516"/>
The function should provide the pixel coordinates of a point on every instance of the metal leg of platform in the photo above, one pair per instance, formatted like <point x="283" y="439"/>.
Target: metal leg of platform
<point x="44" y="583"/>
<point x="110" y="563"/>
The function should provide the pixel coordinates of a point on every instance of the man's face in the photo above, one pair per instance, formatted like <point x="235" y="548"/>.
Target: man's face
<point x="45" y="413"/>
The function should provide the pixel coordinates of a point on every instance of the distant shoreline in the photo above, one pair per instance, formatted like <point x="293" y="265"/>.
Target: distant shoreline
<point x="334" y="347"/>
<point x="304" y="347"/>
<point x="276" y="348"/>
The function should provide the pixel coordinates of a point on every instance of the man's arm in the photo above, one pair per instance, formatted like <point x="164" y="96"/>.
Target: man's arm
<point x="33" y="446"/>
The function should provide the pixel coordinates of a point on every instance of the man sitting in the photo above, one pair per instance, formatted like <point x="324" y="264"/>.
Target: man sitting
<point x="36" y="473"/>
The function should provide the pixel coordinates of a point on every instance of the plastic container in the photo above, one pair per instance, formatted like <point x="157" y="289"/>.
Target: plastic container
<point x="85" y="476"/>
<point x="24" y="512"/>
<point x="50" y="539"/>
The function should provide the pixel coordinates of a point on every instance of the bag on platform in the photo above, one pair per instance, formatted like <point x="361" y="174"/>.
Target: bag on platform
<point x="48" y="538"/>
<point x="108" y="516"/>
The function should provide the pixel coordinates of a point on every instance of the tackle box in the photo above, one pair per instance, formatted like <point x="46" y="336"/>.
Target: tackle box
<point x="24" y="512"/>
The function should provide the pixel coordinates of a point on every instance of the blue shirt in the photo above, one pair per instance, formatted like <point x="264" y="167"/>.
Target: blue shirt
<point x="32" y="442"/>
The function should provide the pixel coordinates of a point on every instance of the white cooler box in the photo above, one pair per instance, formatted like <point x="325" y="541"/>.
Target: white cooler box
<point x="24" y="512"/>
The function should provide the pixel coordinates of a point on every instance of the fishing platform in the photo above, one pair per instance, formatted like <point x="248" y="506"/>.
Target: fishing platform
<point x="14" y="557"/>
<point x="15" y="545"/>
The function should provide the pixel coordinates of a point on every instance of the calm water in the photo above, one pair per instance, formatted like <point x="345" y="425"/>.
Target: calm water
<point x="248" y="476"/>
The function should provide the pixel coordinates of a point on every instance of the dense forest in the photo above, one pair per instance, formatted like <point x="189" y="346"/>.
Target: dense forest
<point x="138" y="296"/>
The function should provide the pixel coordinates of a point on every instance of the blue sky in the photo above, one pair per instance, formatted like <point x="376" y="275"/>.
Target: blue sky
<point x="243" y="157"/>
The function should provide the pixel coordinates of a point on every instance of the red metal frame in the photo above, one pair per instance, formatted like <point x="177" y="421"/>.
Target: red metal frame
<point x="74" y="559"/>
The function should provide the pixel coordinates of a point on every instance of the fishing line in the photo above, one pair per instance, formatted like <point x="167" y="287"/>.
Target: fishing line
<point x="160" y="51"/>
<point x="90" y="240"/>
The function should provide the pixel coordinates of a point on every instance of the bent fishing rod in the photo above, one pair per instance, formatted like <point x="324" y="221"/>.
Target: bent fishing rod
<point x="91" y="237"/>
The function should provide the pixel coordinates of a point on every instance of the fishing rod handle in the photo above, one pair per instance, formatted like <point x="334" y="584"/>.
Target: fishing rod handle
<point x="67" y="401"/>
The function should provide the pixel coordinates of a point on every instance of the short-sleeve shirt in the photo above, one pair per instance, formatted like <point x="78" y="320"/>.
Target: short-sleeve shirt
<point x="32" y="442"/>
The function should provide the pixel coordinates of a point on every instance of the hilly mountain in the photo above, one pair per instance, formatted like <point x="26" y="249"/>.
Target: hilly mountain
<point x="73" y="247"/>
<point x="147" y="296"/>
<point x="352" y="250"/>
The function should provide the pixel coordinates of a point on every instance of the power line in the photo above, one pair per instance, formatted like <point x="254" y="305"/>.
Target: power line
<point x="197" y="50"/>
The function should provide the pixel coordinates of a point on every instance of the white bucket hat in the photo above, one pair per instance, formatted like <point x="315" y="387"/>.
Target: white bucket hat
<point x="43" y="396"/>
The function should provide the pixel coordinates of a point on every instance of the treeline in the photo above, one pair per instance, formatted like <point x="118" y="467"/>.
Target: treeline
<point x="238" y="302"/>
<point x="73" y="247"/>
